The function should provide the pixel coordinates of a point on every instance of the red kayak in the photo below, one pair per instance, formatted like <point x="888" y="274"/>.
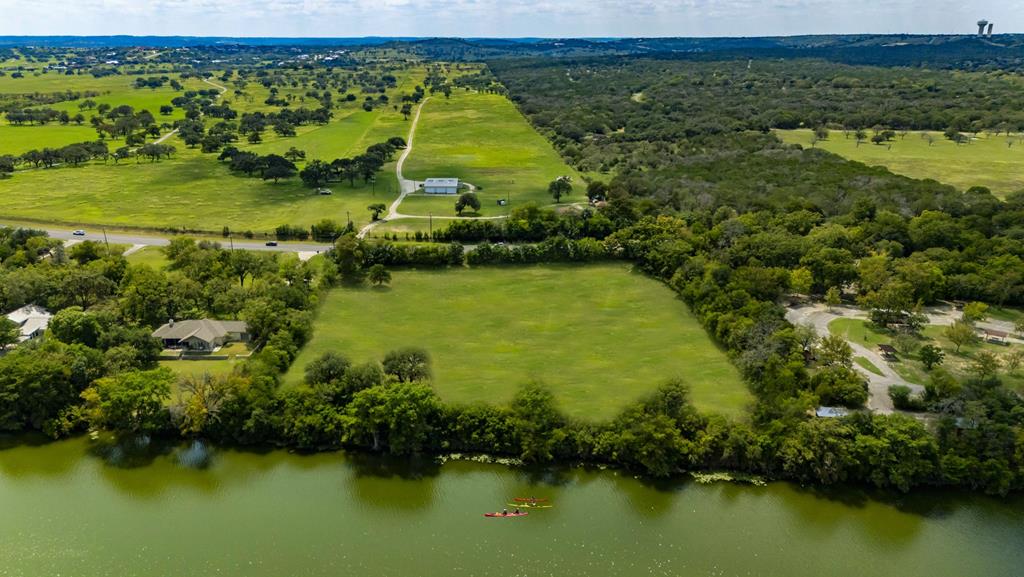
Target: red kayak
<point x="525" y="500"/>
<point x="523" y="514"/>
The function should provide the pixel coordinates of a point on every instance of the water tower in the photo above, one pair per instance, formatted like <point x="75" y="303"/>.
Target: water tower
<point x="981" y="27"/>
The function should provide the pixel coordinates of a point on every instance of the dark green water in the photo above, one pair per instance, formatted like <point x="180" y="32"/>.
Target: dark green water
<point x="67" y="509"/>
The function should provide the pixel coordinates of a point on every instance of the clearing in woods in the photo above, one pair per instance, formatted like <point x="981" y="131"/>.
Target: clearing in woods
<point x="988" y="160"/>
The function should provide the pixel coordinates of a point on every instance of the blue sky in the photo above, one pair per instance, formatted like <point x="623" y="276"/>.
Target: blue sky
<point x="502" y="18"/>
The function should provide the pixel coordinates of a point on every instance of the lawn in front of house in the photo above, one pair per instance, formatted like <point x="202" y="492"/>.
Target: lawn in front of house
<point x="600" y="336"/>
<point x="199" y="368"/>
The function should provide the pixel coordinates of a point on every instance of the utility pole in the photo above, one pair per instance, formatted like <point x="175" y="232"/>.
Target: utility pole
<point x="105" y="241"/>
<point x="431" y="225"/>
<point x="231" y="239"/>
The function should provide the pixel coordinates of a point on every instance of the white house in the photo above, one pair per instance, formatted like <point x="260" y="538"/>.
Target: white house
<point x="32" y="321"/>
<point x="441" y="186"/>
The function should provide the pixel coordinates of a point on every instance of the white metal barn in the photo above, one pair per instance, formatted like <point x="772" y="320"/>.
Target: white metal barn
<point x="441" y="186"/>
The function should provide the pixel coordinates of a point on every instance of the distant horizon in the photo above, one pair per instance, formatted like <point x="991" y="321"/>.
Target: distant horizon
<point x="446" y="37"/>
<point x="504" y="19"/>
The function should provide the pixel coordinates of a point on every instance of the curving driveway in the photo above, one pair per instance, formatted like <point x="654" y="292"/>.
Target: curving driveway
<point x="407" y="187"/>
<point x="820" y="316"/>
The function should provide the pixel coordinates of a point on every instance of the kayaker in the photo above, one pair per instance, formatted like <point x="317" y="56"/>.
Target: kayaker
<point x="504" y="512"/>
<point x="517" y="511"/>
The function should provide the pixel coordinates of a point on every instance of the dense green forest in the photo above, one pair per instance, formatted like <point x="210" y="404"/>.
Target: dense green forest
<point x="600" y="103"/>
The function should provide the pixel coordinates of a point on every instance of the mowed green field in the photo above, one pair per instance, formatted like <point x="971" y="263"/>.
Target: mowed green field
<point x="482" y="139"/>
<point x="600" y="336"/>
<point x="17" y="140"/>
<point x="114" y="90"/>
<point x="191" y="191"/>
<point x="986" y="161"/>
<point x="196" y="192"/>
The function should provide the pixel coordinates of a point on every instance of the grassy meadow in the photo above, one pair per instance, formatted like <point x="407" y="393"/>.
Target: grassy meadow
<point x="601" y="336"/>
<point x="114" y="90"/>
<point x="987" y="161"/>
<point x="482" y="139"/>
<point x="191" y="191"/>
<point x="194" y="191"/>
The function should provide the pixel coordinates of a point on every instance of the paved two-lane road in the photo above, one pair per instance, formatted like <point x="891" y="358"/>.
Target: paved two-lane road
<point x="149" y="240"/>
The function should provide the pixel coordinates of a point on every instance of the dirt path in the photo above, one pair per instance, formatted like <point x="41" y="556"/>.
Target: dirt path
<point x="820" y="316"/>
<point x="405" y="186"/>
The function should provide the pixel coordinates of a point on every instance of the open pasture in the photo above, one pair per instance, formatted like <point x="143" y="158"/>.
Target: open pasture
<point x="988" y="160"/>
<point x="483" y="140"/>
<point x="600" y="336"/>
<point x="194" y="191"/>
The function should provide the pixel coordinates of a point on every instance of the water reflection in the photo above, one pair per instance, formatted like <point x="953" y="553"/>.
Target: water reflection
<point x="652" y="498"/>
<point x="197" y="509"/>
<point x="20" y="457"/>
<point x="387" y="482"/>
<point x="196" y="455"/>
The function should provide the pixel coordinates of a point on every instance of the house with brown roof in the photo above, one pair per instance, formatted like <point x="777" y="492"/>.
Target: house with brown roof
<point x="201" y="334"/>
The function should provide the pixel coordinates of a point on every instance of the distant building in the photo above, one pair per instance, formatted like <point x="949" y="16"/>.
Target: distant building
<point x="202" y="334"/>
<point x="441" y="186"/>
<point x="830" y="412"/>
<point x="32" y="320"/>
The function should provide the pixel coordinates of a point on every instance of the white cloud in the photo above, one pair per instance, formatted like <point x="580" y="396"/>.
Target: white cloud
<point x="509" y="18"/>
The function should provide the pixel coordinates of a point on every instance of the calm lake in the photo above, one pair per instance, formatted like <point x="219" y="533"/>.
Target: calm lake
<point x="74" y="508"/>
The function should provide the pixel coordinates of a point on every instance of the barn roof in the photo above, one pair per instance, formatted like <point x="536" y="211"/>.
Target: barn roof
<point x="443" y="182"/>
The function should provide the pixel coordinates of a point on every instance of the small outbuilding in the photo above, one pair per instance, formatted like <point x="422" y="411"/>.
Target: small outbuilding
<point x="441" y="186"/>
<point x="888" y="352"/>
<point x="201" y="334"/>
